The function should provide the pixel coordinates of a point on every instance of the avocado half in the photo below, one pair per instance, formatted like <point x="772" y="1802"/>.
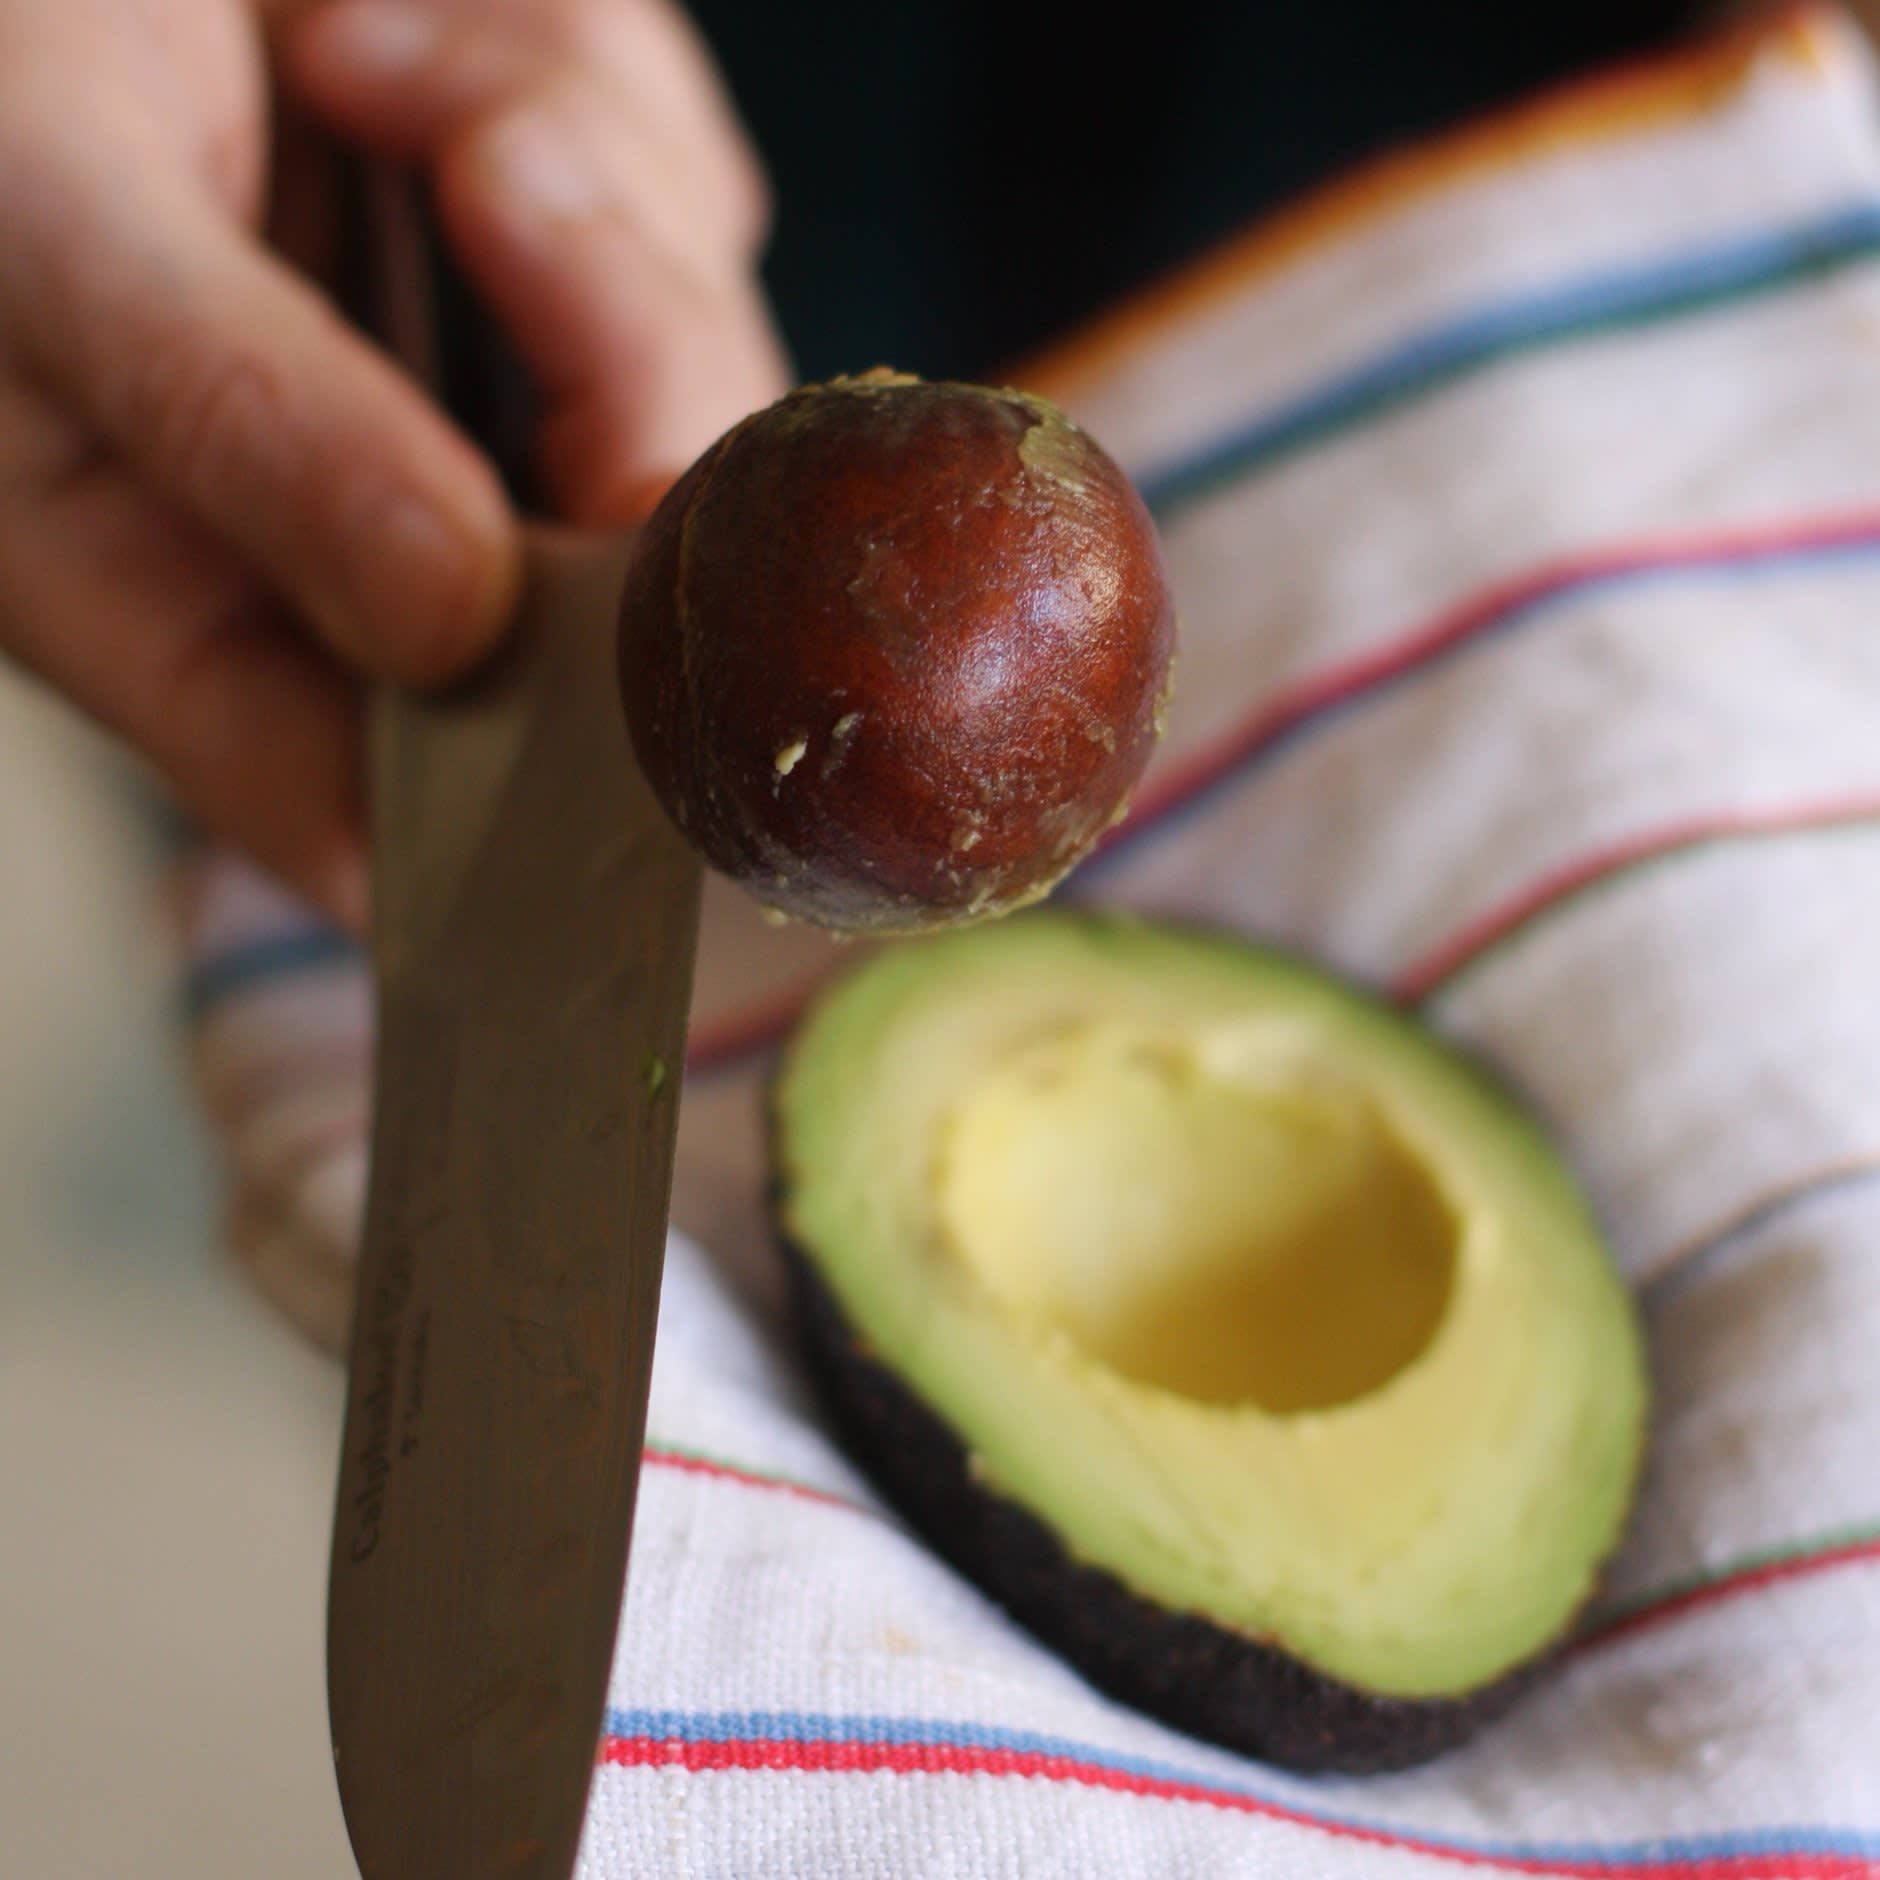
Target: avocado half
<point x="1240" y="1337"/>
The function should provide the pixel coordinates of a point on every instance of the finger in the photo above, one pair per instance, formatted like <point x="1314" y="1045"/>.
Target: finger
<point x="602" y="447"/>
<point x="246" y="402"/>
<point x="481" y="76"/>
<point x="646" y="354"/>
<point x="656" y="58"/>
<point x="404" y="74"/>
<point x="573" y="194"/>
<point x="409" y="75"/>
<point x="152" y="628"/>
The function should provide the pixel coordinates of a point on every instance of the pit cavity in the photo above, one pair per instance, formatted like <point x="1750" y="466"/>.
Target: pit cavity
<point x="1234" y="1233"/>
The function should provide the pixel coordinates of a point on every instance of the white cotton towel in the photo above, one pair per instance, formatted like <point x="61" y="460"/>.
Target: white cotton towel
<point x="1522" y="496"/>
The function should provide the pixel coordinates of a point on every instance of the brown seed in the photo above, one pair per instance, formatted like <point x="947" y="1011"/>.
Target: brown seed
<point x="894" y="653"/>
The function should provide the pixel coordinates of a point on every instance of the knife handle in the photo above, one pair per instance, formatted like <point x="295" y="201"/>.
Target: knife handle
<point x="401" y="283"/>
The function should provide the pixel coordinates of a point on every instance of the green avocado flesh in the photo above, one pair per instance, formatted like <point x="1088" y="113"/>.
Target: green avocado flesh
<point x="1249" y="1290"/>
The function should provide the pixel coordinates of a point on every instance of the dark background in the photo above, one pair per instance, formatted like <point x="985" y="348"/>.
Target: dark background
<point x="960" y="181"/>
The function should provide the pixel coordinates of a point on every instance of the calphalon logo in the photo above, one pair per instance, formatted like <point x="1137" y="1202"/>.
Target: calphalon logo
<point x="416" y="1153"/>
<point x="389" y="1300"/>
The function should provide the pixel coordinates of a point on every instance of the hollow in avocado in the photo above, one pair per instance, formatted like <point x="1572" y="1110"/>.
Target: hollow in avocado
<point x="1239" y="1336"/>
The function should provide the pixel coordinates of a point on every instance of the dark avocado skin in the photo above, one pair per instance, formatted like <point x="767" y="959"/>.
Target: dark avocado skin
<point x="1185" y="1670"/>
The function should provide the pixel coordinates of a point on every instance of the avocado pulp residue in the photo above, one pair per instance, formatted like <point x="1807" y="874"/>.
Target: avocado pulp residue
<point x="1221" y="1231"/>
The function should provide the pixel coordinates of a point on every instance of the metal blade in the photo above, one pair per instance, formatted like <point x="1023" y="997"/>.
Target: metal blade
<point x="536" y="918"/>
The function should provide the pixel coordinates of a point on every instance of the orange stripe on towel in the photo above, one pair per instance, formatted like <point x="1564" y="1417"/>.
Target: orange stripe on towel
<point x="1623" y="100"/>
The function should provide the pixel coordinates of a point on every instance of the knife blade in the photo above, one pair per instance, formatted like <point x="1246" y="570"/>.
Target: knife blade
<point x="535" y="918"/>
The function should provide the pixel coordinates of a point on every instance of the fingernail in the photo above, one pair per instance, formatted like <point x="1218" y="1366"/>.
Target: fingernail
<point x="435" y="585"/>
<point x="379" y="37"/>
<point x="535" y="160"/>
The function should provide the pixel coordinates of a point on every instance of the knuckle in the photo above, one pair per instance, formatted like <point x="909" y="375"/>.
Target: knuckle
<point x="214" y="419"/>
<point x="230" y="157"/>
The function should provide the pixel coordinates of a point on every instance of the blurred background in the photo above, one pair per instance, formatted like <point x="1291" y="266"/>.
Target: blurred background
<point x="166" y="1445"/>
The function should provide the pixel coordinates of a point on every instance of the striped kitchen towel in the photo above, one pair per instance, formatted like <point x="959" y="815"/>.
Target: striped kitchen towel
<point x="1522" y="494"/>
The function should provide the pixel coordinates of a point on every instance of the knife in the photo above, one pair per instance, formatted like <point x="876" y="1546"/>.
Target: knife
<point x="535" y="919"/>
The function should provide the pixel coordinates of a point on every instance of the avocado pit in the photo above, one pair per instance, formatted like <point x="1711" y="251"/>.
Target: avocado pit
<point x="894" y="654"/>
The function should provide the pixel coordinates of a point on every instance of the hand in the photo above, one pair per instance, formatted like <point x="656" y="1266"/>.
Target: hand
<point x="218" y="504"/>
